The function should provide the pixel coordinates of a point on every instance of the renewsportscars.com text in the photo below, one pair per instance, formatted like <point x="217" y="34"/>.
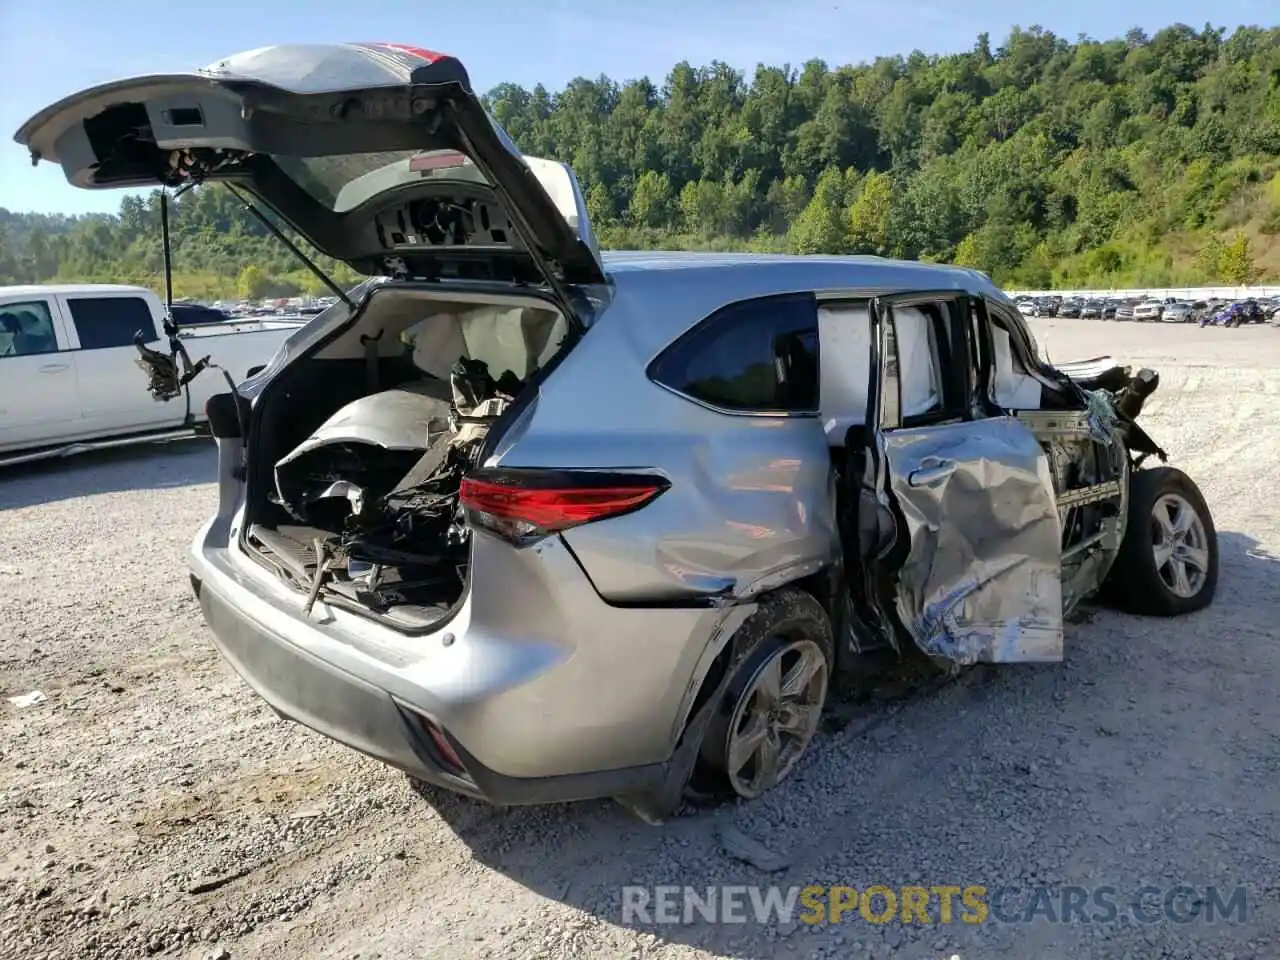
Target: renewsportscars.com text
<point x="937" y="904"/>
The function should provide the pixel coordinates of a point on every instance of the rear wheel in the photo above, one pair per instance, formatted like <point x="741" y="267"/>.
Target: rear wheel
<point x="1168" y="561"/>
<point x="773" y="702"/>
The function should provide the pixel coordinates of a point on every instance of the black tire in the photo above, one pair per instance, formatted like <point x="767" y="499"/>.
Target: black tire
<point x="693" y="774"/>
<point x="1136" y="584"/>
<point x="783" y="617"/>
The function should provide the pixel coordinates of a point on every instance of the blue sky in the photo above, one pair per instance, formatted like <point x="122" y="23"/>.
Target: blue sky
<point x="50" y="48"/>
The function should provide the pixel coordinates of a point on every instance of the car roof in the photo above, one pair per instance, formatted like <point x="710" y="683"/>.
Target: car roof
<point x="659" y="295"/>
<point x="782" y="273"/>
<point x="67" y="289"/>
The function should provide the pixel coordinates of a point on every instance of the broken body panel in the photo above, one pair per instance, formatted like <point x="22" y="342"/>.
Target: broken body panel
<point x="474" y="450"/>
<point x="979" y="571"/>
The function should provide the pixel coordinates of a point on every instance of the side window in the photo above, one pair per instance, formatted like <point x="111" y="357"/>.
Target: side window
<point x="103" y="322"/>
<point x="929" y="364"/>
<point x="26" y="329"/>
<point x="756" y="356"/>
<point x="979" y="354"/>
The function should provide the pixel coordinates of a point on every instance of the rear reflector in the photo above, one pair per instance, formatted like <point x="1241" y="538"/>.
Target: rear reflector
<point x="443" y="747"/>
<point x="521" y="505"/>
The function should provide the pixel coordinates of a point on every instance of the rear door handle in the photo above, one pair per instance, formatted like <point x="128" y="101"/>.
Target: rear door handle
<point x="930" y="472"/>
<point x="55" y="367"/>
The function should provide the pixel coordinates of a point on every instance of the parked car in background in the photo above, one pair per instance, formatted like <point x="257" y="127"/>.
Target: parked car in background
<point x="1091" y="310"/>
<point x="1177" y="312"/>
<point x="196" y="314"/>
<point x="523" y="537"/>
<point x="69" y="376"/>
<point x="1070" y="308"/>
<point x="1148" y="310"/>
<point x="1027" y="307"/>
<point x="1124" y="310"/>
<point x="1109" y="309"/>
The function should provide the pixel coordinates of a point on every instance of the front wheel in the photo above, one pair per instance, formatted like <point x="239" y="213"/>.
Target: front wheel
<point x="1168" y="561"/>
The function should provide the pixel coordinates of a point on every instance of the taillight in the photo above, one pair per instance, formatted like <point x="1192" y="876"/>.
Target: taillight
<point x="523" y="505"/>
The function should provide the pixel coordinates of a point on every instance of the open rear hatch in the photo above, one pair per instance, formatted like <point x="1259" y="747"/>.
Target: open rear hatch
<point x="381" y="156"/>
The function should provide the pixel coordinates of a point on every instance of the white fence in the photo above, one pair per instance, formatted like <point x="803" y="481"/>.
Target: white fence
<point x="1182" y="293"/>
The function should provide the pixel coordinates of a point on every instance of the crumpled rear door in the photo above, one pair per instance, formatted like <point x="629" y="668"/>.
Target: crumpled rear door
<point x="979" y="533"/>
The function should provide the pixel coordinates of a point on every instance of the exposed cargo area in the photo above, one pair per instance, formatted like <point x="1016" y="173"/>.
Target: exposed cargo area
<point x="364" y="445"/>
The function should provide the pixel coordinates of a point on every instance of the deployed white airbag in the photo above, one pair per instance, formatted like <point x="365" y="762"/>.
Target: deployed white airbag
<point x="406" y="418"/>
<point x="844" y="332"/>
<point x="1014" y="388"/>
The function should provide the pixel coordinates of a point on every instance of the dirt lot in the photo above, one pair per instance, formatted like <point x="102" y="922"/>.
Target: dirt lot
<point x="153" y="806"/>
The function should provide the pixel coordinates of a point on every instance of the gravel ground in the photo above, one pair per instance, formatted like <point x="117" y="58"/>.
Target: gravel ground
<point x="153" y="806"/>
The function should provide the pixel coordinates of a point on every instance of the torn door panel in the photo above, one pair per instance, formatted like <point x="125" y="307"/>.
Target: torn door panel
<point x="982" y="577"/>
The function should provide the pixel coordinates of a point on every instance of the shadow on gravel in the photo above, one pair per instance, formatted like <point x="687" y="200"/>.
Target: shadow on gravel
<point x="582" y="855"/>
<point x="1248" y="582"/>
<point x="156" y="466"/>
<point x="896" y="741"/>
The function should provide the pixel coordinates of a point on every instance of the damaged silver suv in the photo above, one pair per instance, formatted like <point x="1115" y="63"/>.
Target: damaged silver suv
<point x="534" y="524"/>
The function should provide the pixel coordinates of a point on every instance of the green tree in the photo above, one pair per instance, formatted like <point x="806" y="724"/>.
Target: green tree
<point x="600" y="205"/>
<point x="1094" y="162"/>
<point x="1235" y="264"/>
<point x="785" y="201"/>
<point x="820" y="227"/>
<point x="309" y="283"/>
<point x="870" y="215"/>
<point x="252" y="283"/>
<point x="1209" y="259"/>
<point x="651" y="202"/>
<point x="967" y="253"/>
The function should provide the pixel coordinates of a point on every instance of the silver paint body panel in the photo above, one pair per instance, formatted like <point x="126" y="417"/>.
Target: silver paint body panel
<point x="584" y="653"/>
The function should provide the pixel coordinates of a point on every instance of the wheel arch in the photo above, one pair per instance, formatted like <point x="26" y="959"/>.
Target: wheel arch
<point x="713" y="668"/>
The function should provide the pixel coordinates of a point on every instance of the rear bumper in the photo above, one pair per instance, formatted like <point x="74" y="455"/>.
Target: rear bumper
<point x="359" y="714"/>
<point x="595" y="712"/>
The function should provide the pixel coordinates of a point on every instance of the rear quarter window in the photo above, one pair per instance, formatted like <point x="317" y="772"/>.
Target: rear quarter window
<point x="105" y="322"/>
<point x="755" y="356"/>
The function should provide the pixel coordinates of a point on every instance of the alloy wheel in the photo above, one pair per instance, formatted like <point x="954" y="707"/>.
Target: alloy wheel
<point x="1180" y="545"/>
<point x="776" y="717"/>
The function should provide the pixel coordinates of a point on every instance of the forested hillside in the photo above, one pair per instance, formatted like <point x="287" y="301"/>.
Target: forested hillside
<point x="1133" y="161"/>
